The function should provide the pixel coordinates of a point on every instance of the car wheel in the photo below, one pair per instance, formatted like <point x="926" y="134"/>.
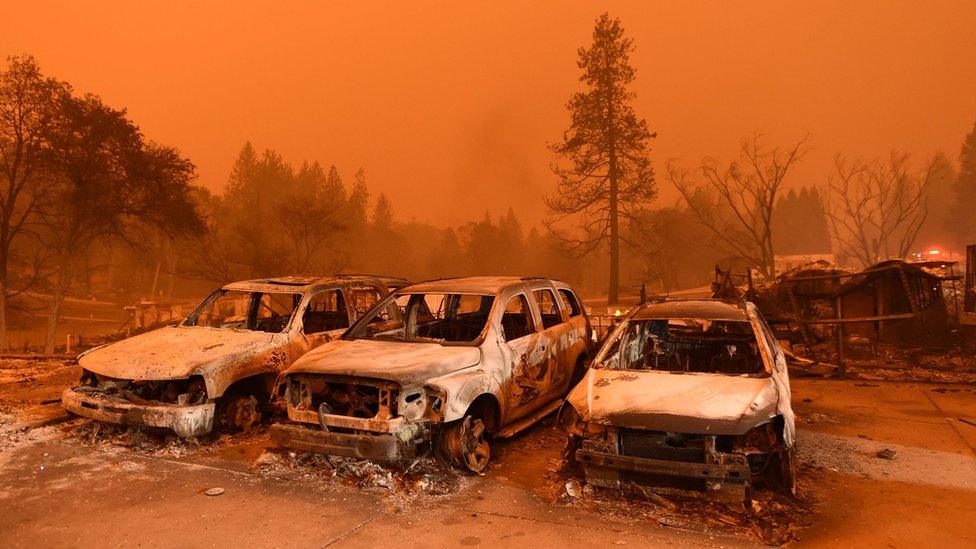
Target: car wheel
<point x="237" y="412"/>
<point x="465" y="445"/>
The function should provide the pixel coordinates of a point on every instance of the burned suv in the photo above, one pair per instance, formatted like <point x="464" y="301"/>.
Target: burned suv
<point x="441" y="365"/>
<point x="685" y="395"/>
<point x="220" y="364"/>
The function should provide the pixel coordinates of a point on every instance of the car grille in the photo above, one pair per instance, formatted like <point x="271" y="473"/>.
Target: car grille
<point x="352" y="397"/>
<point x="660" y="445"/>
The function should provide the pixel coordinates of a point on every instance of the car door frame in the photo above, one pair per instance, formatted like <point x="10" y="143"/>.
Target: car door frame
<point x="558" y="343"/>
<point x="520" y="400"/>
<point x="779" y="372"/>
<point x="581" y="334"/>
<point x="311" y="341"/>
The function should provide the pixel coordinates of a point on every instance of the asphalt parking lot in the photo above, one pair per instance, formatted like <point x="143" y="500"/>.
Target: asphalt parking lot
<point x="882" y="464"/>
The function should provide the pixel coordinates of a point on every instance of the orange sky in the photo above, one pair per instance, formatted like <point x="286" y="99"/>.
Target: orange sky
<point x="448" y="105"/>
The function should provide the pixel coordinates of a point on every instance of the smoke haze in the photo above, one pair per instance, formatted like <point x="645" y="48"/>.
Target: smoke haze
<point x="449" y="106"/>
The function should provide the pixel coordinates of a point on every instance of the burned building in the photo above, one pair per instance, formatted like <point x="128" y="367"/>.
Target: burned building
<point x="897" y="302"/>
<point x="891" y="302"/>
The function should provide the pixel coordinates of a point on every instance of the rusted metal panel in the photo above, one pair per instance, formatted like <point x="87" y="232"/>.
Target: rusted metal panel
<point x="185" y="421"/>
<point x="731" y="468"/>
<point x="383" y="447"/>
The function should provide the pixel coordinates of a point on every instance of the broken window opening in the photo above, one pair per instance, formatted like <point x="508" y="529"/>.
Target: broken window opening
<point x="363" y="299"/>
<point x="551" y="315"/>
<point x="570" y="302"/>
<point x="434" y="317"/>
<point x="238" y="310"/>
<point x="326" y="311"/>
<point x="686" y="346"/>
<point x="517" y="320"/>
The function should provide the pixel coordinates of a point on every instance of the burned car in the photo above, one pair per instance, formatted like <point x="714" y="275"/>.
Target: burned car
<point x="686" y="395"/>
<point x="442" y="365"/>
<point x="218" y="367"/>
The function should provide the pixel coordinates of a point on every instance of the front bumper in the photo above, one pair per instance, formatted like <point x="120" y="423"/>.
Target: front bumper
<point x="603" y="467"/>
<point x="364" y="438"/>
<point x="379" y="447"/>
<point x="185" y="421"/>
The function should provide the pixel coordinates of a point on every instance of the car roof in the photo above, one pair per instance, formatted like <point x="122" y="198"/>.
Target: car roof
<point x="475" y="284"/>
<point x="707" y="309"/>
<point x="303" y="283"/>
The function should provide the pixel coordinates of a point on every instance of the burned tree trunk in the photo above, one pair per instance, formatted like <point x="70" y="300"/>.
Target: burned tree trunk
<point x="608" y="174"/>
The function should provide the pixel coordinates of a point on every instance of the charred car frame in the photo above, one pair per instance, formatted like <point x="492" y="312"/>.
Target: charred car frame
<point x="442" y="365"/>
<point x="685" y="395"/>
<point x="218" y="367"/>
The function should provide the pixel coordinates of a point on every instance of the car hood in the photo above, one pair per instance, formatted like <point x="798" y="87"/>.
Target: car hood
<point x="177" y="352"/>
<point x="409" y="364"/>
<point x="683" y="403"/>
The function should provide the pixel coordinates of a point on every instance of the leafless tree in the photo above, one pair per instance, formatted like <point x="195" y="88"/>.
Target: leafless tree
<point x="876" y="209"/>
<point x="746" y="191"/>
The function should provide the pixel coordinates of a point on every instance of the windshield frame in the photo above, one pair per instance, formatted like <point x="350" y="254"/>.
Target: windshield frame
<point x="599" y="362"/>
<point x="351" y="333"/>
<point x="253" y="301"/>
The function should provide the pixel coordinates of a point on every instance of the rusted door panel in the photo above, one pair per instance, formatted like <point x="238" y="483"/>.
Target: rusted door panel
<point x="563" y="338"/>
<point x="529" y="363"/>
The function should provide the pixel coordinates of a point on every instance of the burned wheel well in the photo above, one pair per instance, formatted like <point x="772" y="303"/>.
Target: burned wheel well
<point x="260" y="385"/>
<point x="486" y="407"/>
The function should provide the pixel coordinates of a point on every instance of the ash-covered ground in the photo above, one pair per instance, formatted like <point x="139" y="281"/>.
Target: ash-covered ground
<point x="882" y="463"/>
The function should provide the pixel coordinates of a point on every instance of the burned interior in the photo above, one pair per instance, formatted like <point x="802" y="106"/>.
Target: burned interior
<point x="736" y="462"/>
<point x="438" y="317"/>
<point x="688" y="345"/>
<point x="359" y="398"/>
<point x="182" y="392"/>
<point x="240" y="310"/>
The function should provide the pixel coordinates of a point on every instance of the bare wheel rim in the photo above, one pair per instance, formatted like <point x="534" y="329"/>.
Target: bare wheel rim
<point x="475" y="447"/>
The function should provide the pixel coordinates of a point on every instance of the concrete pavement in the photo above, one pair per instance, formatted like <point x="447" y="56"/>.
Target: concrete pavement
<point x="59" y="492"/>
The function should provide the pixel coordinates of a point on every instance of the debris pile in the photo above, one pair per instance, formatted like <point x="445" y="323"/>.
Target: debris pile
<point x="894" y="320"/>
<point x="890" y="362"/>
<point x="149" y="441"/>
<point x="424" y="477"/>
<point x="772" y="518"/>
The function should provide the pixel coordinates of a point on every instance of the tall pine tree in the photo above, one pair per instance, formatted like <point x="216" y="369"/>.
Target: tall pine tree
<point x="605" y="174"/>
